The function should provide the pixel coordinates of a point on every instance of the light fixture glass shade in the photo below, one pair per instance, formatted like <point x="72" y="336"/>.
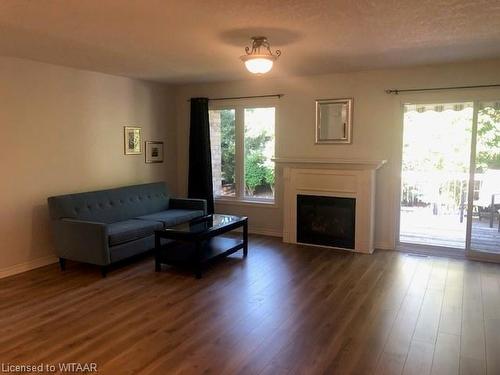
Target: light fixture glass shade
<point x="259" y="65"/>
<point x="259" y="58"/>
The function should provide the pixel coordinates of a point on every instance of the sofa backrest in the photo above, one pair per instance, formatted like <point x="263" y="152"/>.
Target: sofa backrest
<point x="112" y="205"/>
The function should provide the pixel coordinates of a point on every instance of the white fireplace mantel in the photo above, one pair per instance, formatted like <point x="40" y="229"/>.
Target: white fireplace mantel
<point x="350" y="178"/>
<point x="333" y="163"/>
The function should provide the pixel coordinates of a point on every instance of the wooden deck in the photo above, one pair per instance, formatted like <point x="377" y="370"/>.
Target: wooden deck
<point x="286" y="309"/>
<point x="426" y="229"/>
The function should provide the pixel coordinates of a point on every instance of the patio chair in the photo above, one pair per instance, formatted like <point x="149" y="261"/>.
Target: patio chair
<point x="492" y="211"/>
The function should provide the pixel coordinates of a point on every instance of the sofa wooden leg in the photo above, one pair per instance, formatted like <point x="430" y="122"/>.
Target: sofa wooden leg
<point x="62" y="264"/>
<point x="104" y="271"/>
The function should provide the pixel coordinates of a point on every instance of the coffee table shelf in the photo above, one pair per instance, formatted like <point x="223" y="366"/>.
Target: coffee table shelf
<point x="184" y="252"/>
<point x="200" y="241"/>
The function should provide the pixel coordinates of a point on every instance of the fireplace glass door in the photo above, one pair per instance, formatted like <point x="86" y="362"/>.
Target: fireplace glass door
<point x="326" y="221"/>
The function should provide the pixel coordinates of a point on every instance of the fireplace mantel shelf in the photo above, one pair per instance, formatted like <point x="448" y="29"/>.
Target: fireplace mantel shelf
<point x="343" y="163"/>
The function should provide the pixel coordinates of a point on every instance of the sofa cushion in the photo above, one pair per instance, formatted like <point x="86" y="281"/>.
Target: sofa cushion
<point x="130" y="230"/>
<point x="173" y="217"/>
<point x="112" y="205"/>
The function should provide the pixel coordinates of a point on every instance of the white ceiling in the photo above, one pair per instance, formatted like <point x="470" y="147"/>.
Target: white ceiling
<point x="201" y="40"/>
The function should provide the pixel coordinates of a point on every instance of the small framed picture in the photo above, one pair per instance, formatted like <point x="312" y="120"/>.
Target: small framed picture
<point x="154" y="152"/>
<point x="132" y="140"/>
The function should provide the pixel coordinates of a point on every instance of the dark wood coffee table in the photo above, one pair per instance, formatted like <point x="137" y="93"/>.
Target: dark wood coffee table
<point x="200" y="241"/>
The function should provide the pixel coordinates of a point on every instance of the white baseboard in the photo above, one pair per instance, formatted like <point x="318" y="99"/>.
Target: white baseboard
<point x="265" y="231"/>
<point x="384" y="246"/>
<point x="29" y="265"/>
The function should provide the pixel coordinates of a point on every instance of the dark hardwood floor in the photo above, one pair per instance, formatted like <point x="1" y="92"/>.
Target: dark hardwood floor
<point x="284" y="310"/>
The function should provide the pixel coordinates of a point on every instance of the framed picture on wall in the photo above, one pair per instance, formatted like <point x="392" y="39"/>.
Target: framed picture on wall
<point x="132" y="140"/>
<point x="154" y="152"/>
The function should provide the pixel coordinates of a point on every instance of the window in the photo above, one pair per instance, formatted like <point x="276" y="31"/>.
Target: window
<point x="259" y="149"/>
<point x="242" y="141"/>
<point x="223" y="143"/>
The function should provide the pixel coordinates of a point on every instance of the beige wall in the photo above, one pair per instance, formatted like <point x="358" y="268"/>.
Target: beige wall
<point x="377" y="125"/>
<point x="62" y="132"/>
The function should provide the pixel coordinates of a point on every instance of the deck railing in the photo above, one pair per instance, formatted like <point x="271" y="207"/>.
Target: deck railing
<point x="448" y="191"/>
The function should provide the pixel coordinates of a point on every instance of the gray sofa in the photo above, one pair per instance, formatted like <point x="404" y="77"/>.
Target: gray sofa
<point x="106" y="226"/>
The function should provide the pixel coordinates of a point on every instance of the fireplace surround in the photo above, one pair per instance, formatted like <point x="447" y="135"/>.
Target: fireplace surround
<point x="332" y="178"/>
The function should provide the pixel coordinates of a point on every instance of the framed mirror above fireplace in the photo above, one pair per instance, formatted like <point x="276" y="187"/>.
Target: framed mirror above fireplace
<point x="334" y="121"/>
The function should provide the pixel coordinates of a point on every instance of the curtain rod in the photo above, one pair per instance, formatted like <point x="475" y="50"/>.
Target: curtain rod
<point x="397" y="91"/>
<point x="247" y="97"/>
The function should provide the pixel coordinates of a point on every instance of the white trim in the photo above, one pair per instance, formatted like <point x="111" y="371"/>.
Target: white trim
<point x="262" y="231"/>
<point x="328" y="247"/>
<point x="472" y="175"/>
<point x="398" y="179"/>
<point x="265" y="231"/>
<point x="383" y="245"/>
<point x="270" y="203"/>
<point x="483" y="256"/>
<point x="27" y="266"/>
<point x="362" y="164"/>
<point x="431" y="250"/>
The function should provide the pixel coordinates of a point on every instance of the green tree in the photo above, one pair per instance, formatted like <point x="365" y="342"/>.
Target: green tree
<point x="257" y="173"/>
<point x="269" y="177"/>
<point x="488" y="139"/>
<point x="253" y="144"/>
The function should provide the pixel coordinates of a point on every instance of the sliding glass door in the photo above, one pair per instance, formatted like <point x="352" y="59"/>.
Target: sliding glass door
<point x="450" y="191"/>
<point x="435" y="174"/>
<point x="483" y="238"/>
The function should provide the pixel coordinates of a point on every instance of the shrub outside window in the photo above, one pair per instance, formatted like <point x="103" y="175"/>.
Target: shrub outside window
<point x="242" y="144"/>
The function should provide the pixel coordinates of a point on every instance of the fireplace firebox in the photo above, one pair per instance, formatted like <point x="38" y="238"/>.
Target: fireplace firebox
<point x="326" y="220"/>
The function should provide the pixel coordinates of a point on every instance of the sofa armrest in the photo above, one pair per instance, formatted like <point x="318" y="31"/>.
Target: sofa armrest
<point x="189" y="204"/>
<point x="83" y="241"/>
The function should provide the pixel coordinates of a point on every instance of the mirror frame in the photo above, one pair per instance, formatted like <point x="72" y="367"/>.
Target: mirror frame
<point x="348" y="139"/>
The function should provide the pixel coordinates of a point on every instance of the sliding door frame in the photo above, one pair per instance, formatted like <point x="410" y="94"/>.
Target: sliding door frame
<point x="472" y="174"/>
<point x="461" y="96"/>
<point x="469" y="252"/>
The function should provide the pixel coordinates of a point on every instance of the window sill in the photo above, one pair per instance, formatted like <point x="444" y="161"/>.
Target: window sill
<point x="246" y="202"/>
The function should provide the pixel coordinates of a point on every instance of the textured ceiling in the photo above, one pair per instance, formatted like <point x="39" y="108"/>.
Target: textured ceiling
<point x="196" y="41"/>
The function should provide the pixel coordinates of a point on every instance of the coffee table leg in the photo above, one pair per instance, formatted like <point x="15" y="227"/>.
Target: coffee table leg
<point x="245" y="239"/>
<point x="197" y="268"/>
<point x="157" y="253"/>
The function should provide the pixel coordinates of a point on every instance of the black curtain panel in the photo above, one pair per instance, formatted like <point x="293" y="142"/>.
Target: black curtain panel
<point x="200" y="158"/>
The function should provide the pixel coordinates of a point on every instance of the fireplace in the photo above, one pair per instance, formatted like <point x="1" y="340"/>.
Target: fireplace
<point x="326" y="220"/>
<point x="351" y="185"/>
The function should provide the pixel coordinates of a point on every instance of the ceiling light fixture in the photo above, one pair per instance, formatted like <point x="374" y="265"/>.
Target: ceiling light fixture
<point x="257" y="61"/>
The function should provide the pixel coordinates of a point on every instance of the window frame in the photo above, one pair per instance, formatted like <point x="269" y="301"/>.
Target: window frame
<point x="239" y="107"/>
